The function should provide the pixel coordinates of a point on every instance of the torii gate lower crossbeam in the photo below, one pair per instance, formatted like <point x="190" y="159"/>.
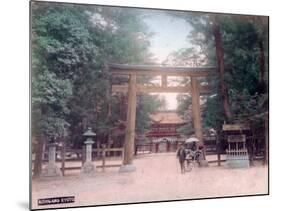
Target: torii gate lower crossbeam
<point x="135" y="70"/>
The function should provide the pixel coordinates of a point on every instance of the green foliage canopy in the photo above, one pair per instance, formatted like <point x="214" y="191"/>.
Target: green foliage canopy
<point x="71" y="45"/>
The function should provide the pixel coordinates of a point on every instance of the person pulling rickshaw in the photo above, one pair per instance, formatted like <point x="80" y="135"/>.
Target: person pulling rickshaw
<point x="188" y="154"/>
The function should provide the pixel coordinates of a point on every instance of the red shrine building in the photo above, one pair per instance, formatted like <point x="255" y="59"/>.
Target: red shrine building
<point x="163" y="134"/>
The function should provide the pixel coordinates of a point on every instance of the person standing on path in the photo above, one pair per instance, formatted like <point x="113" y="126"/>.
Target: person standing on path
<point x="181" y="155"/>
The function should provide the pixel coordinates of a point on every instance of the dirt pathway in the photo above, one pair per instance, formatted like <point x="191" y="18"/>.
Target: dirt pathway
<point x="157" y="178"/>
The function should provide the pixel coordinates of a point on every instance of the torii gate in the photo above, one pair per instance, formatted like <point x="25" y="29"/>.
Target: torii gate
<point x="133" y="88"/>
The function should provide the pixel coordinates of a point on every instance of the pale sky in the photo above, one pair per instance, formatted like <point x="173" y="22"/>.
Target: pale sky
<point x="170" y="34"/>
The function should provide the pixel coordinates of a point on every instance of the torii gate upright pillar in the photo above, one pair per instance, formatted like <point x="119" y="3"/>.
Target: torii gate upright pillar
<point x="130" y="127"/>
<point x="196" y="109"/>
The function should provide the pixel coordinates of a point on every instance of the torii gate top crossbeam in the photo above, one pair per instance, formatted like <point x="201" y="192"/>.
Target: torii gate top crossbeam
<point x="124" y="69"/>
<point x="164" y="72"/>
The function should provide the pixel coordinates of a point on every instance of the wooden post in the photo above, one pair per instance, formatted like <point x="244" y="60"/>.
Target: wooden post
<point x="98" y="149"/>
<point x="63" y="157"/>
<point x="266" y="128"/>
<point x="156" y="147"/>
<point x="107" y="153"/>
<point x="164" y="80"/>
<point x="122" y="154"/>
<point x="136" y="148"/>
<point x="196" y="109"/>
<point x="103" y="157"/>
<point x="218" y="150"/>
<point x="131" y="121"/>
<point x="83" y="154"/>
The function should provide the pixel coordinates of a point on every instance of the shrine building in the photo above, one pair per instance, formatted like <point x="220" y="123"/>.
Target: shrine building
<point x="163" y="133"/>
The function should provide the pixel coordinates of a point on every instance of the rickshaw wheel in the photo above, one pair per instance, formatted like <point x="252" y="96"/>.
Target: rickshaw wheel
<point x="189" y="166"/>
<point x="199" y="157"/>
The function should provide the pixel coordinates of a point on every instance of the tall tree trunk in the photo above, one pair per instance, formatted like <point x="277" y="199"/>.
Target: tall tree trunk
<point x="38" y="157"/>
<point x="263" y="90"/>
<point x="262" y="68"/>
<point x="220" y="61"/>
<point x="109" y="139"/>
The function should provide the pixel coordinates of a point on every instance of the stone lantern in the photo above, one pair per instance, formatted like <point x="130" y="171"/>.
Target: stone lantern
<point x="88" y="167"/>
<point x="51" y="171"/>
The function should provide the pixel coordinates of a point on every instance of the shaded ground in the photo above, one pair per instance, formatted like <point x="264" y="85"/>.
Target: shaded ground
<point x="157" y="178"/>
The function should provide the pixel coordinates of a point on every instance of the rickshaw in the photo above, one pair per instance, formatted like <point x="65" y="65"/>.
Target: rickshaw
<point x="194" y="156"/>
